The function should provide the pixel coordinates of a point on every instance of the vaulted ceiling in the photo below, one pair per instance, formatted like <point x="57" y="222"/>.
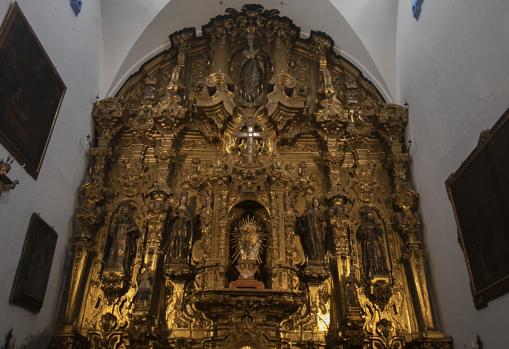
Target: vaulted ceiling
<point x="364" y="32"/>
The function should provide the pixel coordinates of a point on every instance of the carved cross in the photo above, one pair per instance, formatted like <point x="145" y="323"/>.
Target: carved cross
<point x="249" y="136"/>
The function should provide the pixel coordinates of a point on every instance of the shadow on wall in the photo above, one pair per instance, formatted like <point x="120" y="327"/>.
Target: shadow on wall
<point x="35" y="341"/>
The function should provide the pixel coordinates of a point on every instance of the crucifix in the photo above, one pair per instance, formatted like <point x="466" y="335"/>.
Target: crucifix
<point x="250" y="135"/>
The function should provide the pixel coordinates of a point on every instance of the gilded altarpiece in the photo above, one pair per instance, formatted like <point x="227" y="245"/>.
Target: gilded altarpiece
<point x="248" y="189"/>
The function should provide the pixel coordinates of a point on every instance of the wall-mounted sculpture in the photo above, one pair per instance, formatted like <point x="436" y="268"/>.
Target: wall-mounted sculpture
<point x="263" y="175"/>
<point x="6" y="183"/>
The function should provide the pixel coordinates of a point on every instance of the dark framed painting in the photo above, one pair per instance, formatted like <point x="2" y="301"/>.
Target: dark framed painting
<point x="31" y="92"/>
<point x="479" y="192"/>
<point x="34" y="267"/>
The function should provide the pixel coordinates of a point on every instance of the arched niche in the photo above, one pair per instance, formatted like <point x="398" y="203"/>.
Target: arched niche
<point x="249" y="228"/>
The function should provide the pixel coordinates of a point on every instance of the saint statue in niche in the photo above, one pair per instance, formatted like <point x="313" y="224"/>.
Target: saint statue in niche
<point x="121" y="245"/>
<point x="181" y="234"/>
<point x="313" y="225"/>
<point x="251" y="74"/>
<point x="369" y="234"/>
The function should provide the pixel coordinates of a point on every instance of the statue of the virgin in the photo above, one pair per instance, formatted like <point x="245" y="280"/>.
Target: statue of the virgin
<point x="251" y="74"/>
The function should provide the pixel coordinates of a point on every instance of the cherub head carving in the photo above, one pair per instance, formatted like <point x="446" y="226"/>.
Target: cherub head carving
<point x="5" y="166"/>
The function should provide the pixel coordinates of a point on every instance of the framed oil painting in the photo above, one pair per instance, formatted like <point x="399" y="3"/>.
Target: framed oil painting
<point x="479" y="192"/>
<point x="34" y="266"/>
<point x="31" y="92"/>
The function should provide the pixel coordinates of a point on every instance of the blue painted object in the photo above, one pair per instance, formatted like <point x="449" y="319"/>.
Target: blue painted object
<point x="76" y="6"/>
<point x="417" y="7"/>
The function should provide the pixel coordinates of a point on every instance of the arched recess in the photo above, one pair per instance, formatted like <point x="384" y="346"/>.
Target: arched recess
<point x="248" y="220"/>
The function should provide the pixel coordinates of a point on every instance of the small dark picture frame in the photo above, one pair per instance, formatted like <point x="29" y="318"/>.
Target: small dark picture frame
<point x="34" y="267"/>
<point x="31" y="92"/>
<point x="479" y="192"/>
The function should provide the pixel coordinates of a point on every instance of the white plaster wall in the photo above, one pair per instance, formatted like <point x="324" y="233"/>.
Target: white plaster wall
<point x="375" y="23"/>
<point x="124" y="21"/>
<point x="454" y="73"/>
<point x="74" y="44"/>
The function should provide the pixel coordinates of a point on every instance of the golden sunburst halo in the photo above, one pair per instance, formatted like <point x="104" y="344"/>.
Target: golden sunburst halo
<point x="248" y="237"/>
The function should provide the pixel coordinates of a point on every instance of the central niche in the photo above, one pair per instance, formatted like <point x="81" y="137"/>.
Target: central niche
<point x="249" y="228"/>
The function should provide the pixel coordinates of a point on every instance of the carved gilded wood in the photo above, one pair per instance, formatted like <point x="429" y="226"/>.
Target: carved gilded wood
<point x="248" y="189"/>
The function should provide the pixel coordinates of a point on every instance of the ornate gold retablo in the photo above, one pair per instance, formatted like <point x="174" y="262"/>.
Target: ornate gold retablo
<point x="248" y="189"/>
